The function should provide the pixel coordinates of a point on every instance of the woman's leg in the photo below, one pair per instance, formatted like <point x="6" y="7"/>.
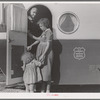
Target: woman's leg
<point x="43" y="88"/>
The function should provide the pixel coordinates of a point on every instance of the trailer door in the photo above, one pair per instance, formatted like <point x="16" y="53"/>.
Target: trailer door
<point x="16" y="41"/>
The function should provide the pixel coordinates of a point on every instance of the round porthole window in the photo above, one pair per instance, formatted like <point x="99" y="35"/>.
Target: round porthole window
<point x="68" y="23"/>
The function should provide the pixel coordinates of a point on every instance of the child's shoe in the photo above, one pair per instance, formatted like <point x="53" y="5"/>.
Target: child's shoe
<point x="47" y="91"/>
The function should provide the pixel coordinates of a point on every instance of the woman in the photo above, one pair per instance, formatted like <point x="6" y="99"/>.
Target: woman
<point x="32" y="26"/>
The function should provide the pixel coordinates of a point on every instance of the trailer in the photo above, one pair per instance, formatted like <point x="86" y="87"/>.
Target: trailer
<point x="76" y="44"/>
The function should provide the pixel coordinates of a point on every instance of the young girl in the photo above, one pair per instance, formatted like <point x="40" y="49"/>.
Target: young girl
<point x="30" y="68"/>
<point x="44" y="52"/>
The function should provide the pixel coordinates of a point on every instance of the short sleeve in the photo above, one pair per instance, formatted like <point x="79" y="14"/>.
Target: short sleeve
<point x="49" y="36"/>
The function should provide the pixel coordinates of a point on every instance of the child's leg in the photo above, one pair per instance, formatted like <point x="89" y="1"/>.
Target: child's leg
<point x="43" y="89"/>
<point x="27" y="87"/>
<point x="48" y="86"/>
<point x="31" y="87"/>
<point x="34" y="88"/>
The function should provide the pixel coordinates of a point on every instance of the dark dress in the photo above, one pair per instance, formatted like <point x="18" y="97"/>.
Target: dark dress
<point x="46" y="67"/>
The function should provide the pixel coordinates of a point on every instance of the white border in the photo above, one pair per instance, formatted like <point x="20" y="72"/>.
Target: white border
<point x="49" y="96"/>
<point x="75" y="2"/>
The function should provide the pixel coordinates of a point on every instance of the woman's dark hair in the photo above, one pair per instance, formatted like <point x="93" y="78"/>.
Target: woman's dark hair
<point x="45" y="22"/>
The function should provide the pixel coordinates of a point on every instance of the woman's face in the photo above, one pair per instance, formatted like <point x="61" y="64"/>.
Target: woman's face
<point x="42" y="27"/>
<point x="33" y="12"/>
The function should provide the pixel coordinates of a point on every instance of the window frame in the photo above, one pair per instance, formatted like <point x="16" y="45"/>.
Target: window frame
<point x="77" y="19"/>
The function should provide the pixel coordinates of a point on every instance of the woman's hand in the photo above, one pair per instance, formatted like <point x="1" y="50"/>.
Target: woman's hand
<point x="41" y="58"/>
<point x="29" y="48"/>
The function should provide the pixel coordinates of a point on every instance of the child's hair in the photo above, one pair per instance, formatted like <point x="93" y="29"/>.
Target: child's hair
<point x="27" y="57"/>
<point x="45" y="22"/>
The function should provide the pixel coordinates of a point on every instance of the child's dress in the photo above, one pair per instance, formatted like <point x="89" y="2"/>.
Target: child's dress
<point x="30" y="73"/>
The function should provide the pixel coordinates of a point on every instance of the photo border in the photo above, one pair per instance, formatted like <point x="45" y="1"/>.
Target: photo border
<point x="49" y="96"/>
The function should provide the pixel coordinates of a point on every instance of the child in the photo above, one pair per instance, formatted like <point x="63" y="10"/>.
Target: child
<point x="30" y="68"/>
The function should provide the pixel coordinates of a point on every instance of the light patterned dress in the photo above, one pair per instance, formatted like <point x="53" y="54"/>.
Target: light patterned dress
<point x="47" y="35"/>
<point x="30" y="74"/>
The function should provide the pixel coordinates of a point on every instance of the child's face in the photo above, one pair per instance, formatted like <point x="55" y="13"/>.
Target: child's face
<point x="42" y="27"/>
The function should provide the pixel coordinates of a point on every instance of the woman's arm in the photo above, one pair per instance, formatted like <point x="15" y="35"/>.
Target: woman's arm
<point x="36" y="42"/>
<point x="29" y="47"/>
<point x="46" y="49"/>
<point x="34" y="37"/>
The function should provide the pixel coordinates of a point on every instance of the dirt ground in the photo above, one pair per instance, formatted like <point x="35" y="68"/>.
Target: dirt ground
<point x="18" y="87"/>
<point x="14" y="88"/>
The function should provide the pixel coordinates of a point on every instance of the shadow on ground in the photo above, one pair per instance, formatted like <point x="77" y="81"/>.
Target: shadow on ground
<point x="54" y="88"/>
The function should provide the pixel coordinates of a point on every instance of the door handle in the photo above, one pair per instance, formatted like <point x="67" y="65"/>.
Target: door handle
<point x="11" y="40"/>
